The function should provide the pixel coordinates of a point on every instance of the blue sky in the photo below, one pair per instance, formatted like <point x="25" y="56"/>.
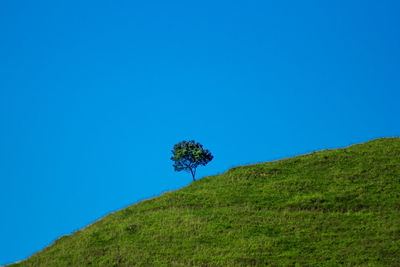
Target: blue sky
<point x="94" y="94"/>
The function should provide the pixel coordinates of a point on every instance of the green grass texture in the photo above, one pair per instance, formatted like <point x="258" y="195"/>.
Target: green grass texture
<point x="327" y="208"/>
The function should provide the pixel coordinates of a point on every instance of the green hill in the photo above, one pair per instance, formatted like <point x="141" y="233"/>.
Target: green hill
<point x="326" y="208"/>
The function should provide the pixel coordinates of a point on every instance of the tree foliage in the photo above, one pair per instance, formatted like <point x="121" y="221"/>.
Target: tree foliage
<point x="188" y="155"/>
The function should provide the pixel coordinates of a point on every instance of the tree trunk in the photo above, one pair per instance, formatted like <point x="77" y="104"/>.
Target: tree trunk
<point x="193" y="174"/>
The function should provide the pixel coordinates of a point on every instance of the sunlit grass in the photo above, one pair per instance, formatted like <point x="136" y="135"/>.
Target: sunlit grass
<point x="326" y="208"/>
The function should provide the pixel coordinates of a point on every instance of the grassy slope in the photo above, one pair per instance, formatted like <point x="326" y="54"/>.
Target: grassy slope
<point x="325" y="208"/>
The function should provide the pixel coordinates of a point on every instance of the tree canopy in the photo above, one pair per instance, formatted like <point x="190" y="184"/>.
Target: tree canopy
<point x="188" y="155"/>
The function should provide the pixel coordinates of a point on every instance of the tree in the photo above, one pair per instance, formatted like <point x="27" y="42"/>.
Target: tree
<point x="188" y="155"/>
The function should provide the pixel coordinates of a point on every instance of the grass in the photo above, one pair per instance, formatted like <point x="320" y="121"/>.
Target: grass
<point x="328" y="208"/>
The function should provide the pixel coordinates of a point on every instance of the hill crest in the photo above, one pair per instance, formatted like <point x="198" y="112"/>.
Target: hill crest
<point x="332" y="206"/>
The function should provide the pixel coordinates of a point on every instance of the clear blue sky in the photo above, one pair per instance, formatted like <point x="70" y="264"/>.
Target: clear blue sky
<point x="94" y="94"/>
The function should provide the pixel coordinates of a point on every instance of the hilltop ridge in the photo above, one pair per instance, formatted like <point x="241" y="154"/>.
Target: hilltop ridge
<point x="329" y="207"/>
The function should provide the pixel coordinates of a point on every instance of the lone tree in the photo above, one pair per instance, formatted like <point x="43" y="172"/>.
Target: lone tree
<point x="188" y="155"/>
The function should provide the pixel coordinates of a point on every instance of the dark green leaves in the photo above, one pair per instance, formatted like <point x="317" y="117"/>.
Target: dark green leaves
<point x="188" y="155"/>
